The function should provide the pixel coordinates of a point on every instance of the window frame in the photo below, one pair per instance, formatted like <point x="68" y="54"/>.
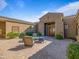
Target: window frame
<point x="14" y="28"/>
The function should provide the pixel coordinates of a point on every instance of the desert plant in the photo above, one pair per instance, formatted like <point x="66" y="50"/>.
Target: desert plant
<point x="39" y="34"/>
<point x="22" y="35"/>
<point x="29" y="33"/>
<point x="12" y="35"/>
<point x="73" y="51"/>
<point x="59" y="36"/>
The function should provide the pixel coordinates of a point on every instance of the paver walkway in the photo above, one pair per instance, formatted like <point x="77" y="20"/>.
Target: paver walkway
<point x="55" y="50"/>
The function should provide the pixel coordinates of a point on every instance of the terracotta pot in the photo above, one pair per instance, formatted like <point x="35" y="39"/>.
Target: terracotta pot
<point x="28" y="41"/>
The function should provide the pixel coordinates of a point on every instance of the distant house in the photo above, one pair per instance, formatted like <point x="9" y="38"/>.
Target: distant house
<point x="56" y="23"/>
<point x="12" y="25"/>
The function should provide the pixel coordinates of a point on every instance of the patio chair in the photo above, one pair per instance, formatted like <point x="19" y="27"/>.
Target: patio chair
<point x="40" y="40"/>
<point x="28" y="41"/>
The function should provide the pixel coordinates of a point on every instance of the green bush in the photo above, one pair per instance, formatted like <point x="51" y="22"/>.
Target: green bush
<point x="12" y="35"/>
<point x="73" y="51"/>
<point x="21" y="35"/>
<point x="58" y="36"/>
<point x="29" y="33"/>
<point x="39" y="34"/>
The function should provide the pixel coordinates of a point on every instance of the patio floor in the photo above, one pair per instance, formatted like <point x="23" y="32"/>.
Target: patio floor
<point x="14" y="49"/>
<point x="50" y="49"/>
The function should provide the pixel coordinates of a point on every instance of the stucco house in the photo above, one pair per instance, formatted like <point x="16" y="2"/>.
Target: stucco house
<point x="12" y="25"/>
<point x="77" y="25"/>
<point x="56" y="23"/>
<point x="70" y="30"/>
<point x="51" y="24"/>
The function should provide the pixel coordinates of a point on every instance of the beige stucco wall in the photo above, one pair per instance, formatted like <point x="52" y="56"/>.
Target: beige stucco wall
<point x="22" y="27"/>
<point x="71" y="31"/>
<point x="77" y="19"/>
<point x="52" y="17"/>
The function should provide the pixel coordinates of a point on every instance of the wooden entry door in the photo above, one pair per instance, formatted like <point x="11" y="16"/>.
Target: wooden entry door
<point x="50" y="29"/>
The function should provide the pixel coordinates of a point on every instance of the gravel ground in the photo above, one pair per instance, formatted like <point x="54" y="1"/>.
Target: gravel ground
<point x="55" y="50"/>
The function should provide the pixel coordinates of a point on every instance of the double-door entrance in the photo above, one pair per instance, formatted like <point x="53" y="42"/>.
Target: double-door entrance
<point x="49" y="29"/>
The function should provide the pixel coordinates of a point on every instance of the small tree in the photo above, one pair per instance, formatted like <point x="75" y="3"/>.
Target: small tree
<point x="29" y="33"/>
<point x="39" y="34"/>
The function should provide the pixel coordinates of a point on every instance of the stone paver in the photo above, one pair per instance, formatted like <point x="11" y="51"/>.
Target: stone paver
<point x="14" y="49"/>
<point x="55" y="50"/>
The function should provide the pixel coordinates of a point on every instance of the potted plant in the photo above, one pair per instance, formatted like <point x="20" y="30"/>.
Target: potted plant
<point x="27" y="39"/>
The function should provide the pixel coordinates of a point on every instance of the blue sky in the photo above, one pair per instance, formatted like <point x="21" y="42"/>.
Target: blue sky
<point x="32" y="10"/>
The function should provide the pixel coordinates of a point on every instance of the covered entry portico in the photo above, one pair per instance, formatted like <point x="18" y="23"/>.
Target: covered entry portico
<point x="51" y="24"/>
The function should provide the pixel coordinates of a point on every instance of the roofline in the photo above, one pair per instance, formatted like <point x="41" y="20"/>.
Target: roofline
<point x="51" y="13"/>
<point x="15" y="20"/>
<point x="69" y="16"/>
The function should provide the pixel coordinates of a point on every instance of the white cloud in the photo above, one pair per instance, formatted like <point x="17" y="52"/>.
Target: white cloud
<point x="41" y="14"/>
<point x="36" y="18"/>
<point x="69" y="9"/>
<point x="44" y="12"/>
<point x="3" y="4"/>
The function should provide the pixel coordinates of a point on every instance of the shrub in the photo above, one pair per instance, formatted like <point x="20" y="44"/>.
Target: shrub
<point x="21" y="35"/>
<point x="73" y="51"/>
<point x="12" y="35"/>
<point x="39" y="34"/>
<point x="29" y="33"/>
<point x="58" y="36"/>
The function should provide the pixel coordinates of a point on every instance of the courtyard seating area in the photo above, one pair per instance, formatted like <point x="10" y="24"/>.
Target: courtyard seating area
<point x="29" y="40"/>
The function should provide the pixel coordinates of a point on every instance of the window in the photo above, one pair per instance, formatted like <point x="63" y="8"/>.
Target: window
<point x="66" y="26"/>
<point x="15" y="29"/>
<point x="0" y="31"/>
<point x="77" y="27"/>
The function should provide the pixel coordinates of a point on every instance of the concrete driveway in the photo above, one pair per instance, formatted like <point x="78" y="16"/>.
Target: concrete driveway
<point x="55" y="50"/>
